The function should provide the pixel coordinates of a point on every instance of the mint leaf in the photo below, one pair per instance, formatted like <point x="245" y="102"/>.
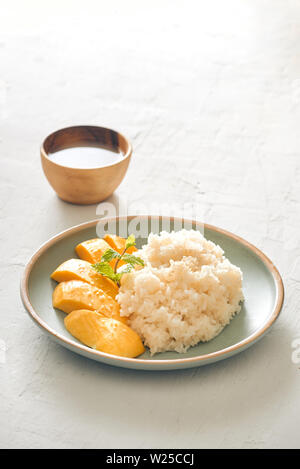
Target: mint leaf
<point x="132" y="259"/>
<point x="115" y="274"/>
<point x="130" y="241"/>
<point x="105" y="269"/>
<point x="118" y="278"/>
<point x="110" y="254"/>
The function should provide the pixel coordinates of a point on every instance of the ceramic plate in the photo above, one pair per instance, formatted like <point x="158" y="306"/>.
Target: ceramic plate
<point x="262" y="285"/>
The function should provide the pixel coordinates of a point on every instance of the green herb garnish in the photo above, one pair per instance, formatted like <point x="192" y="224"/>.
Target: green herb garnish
<point x="115" y="274"/>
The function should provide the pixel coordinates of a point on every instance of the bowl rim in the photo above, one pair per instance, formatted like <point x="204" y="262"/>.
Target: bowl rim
<point x="122" y="361"/>
<point x="44" y="153"/>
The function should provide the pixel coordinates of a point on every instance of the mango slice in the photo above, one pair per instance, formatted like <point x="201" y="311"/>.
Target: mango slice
<point x="118" y="243"/>
<point x="74" y="294"/>
<point x="104" y="334"/>
<point x="77" y="269"/>
<point x="113" y="314"/>
<point x="92" y="250"/>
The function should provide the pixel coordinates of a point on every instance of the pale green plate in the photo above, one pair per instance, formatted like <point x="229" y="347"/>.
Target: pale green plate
<point x="262" y="285"/>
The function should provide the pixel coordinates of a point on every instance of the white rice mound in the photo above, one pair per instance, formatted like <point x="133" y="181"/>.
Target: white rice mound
<point x="186" y="293"/>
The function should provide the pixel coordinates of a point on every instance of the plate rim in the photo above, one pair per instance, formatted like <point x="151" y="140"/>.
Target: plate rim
<point x="130" y="362"/>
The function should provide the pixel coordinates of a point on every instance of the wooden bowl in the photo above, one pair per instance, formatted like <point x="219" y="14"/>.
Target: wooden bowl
<point x="87" y="185"/>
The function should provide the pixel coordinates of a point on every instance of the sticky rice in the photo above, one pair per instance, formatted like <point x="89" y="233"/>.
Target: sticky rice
<point x="186" y="293"/>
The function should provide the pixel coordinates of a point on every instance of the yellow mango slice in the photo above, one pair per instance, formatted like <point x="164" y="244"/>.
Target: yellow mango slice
<point x="74" y="294"/>
<point x="118" y="243"/>
<point x="77" y="269"/>
<point x="112" y="313"/>
<point x="104" y="334"/>
<point x="92" y="250"/>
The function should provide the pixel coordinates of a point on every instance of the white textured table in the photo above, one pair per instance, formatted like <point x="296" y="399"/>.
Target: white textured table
<point x="210" y="97"/>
